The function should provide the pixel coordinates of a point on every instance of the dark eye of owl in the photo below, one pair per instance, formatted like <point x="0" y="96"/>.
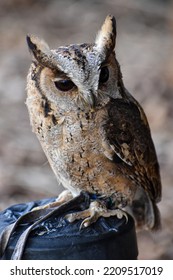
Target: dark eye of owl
<point x="64" y="85"/>
<point x="104" y="75"/>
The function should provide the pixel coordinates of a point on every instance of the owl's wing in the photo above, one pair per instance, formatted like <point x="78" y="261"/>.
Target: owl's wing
<point x="128" y="134"/>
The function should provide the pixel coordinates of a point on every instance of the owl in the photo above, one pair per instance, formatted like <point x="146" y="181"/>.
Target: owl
<point x="94" y="133"/>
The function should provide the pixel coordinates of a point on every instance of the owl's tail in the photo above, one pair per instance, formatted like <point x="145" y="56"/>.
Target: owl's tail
<point x="145" y="212"/>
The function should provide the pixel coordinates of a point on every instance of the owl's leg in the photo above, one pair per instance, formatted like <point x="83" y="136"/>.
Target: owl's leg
<point x="96" y="209"/>
<point x="65" y="196"/>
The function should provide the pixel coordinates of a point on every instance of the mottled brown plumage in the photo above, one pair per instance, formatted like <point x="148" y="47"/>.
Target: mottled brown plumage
<point x="93" y="132"/>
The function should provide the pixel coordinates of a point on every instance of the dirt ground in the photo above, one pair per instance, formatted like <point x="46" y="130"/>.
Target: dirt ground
<point x="145" y="52"/>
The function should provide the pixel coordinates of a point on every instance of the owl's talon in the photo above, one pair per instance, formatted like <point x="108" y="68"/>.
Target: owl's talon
<point x="77" y="215"/>
<point x="64" y="196"/>
<point x="70" y="218"/>
<point x="84" y="224"/>
<point x="88" y="221"/>
<point x="120" y="214"/>
<point x="96" y="209"/>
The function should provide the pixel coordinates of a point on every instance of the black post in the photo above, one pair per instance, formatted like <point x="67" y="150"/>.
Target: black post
<point x="56" y="239"/>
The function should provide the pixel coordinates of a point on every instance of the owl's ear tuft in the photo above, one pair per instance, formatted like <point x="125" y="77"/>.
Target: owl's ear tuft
<point x="39" y="49"/>
<point x="106" y="38"/>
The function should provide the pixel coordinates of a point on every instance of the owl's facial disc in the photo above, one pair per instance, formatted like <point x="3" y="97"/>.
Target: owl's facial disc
<point x="83" y="65"/>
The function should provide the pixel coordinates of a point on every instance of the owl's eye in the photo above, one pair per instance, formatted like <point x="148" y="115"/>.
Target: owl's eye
<point x="104" y="75"/>
<point x="64" y="85"/>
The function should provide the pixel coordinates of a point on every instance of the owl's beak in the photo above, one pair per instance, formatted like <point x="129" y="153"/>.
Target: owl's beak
<point x="90" y="98"/>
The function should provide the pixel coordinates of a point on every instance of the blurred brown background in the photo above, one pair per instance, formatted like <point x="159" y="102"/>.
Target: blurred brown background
<point x="145" y="52"/>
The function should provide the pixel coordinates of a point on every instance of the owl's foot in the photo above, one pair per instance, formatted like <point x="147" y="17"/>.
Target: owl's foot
<point x="96" y="209"/>
<point x="65" y="196"/>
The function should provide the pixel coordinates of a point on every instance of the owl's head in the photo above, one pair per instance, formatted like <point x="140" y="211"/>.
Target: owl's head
<point x="82" y="75"/>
